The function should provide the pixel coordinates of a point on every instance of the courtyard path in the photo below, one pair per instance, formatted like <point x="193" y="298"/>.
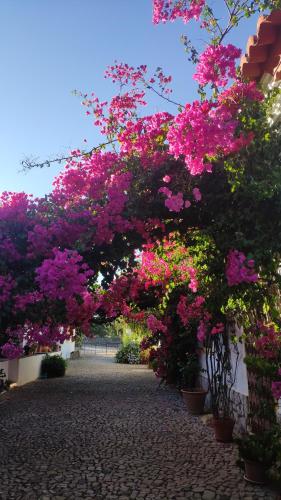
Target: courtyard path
<point x="108" y="431"/>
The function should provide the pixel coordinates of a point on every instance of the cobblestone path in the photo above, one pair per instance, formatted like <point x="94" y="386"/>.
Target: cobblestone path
<point x="107" y="431"/>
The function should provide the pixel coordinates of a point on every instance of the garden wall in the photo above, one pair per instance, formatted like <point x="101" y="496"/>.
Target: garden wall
<point x="67" y="348"/>
<point x="28" y="368"/>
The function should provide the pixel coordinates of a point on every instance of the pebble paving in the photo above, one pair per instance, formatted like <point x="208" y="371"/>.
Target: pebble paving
<point x="108" y="431"/>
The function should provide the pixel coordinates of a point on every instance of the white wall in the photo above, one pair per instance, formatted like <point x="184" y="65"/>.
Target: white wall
<point x="28" y="368"/>
<point x="25" y="370"/>
<point x="67" y="348"/>
<point x="241" y="383"/>
<point x="5" y="365"/>
<point x="267" y="82"/>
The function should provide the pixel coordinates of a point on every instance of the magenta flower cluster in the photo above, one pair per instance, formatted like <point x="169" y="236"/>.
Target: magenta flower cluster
<point x="239" y="269"/>
<point x="90" y="206"/>
<point x="170" y="10"/>
<point x="217" y="65"/>
<point x="11" y="351"/>
<point x="63" y="276"/>
<point x="204" y="131"/>
<point x="189" y="311"/>
<point x="276" y="387"/>
<point x="155" y="325"/>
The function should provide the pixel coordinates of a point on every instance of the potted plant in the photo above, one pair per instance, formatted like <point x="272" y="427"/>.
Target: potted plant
<point x="193" y="395"/>
<point x="43" y="349"/>
<point x="258" y="452"/>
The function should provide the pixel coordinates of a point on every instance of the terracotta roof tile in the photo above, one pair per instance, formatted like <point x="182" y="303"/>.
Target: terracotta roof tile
<point x="264" y="49"/>
<point x="250" y="71"/>
<point x="256" y="52"/>
<point x="275" y="17"/>
<point x="266" y="31"/>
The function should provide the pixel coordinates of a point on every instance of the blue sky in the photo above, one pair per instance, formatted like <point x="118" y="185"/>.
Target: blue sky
<point x="50" y="47"/>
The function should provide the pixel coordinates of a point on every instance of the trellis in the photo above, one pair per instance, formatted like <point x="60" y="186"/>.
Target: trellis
<point x="261" y="404"/>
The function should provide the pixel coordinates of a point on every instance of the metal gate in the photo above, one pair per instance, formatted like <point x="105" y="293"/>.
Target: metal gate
<point x="100" y="345"/>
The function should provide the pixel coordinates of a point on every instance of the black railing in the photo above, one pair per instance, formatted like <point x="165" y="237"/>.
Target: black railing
<point x="100" y="345"/>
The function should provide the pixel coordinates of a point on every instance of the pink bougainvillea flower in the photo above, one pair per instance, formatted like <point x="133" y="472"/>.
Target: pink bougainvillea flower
<point x="189" y="311"/>
<point x="217" y="329"/>
<point x="155" y="325"/>
<point x="238" y="93"/>
<point x="169" y="10"/>
<point x="63" y="276"/>
<point x="204" y="130"/>
<point x="167" y="179"/>
<point x="11" y="351"/>
<point x="217" y="65"/>
<point x="197" y="194"/>
<point x="175" y="202"/>
<point x="268" y="343"/>
<point x="239" y="269"/>
<point x="276" y="389"/>
<point x="166" y="191"/>
<point x="201" y="331"/>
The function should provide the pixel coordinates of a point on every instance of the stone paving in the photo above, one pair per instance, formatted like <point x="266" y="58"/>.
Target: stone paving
<point x="108" y="431"/>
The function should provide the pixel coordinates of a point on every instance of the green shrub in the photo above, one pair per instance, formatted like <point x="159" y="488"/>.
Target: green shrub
<point x="129" y="354"/>
<point x="262" y="367"/>
<point x="53" y="366"/>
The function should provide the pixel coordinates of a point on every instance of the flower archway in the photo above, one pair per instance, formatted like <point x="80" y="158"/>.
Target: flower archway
<point x="180" y="212"/>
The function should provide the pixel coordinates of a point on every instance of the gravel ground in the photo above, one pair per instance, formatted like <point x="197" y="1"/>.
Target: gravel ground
<point x="108" y="431"/>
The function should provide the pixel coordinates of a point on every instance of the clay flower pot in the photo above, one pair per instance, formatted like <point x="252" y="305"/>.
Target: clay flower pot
<point x="224" y="429"/>
<point x="194" y="400"/>
<point x="255" y="472"/>
<point x="43" y="349"/>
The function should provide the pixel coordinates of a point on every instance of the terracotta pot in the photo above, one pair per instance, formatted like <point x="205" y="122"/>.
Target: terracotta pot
<point x="194" y="400"/>
<point x="44" y="349"/>
<point x="224" y="429"/>
<point x="255" y="472"/>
